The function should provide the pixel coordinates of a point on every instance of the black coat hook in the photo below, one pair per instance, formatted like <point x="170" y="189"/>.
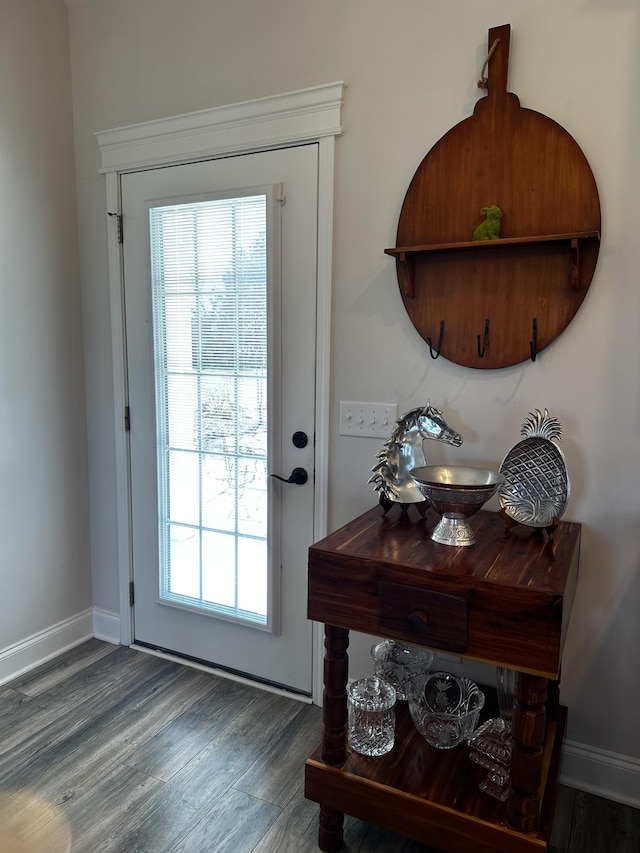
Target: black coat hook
<point x="439" y="341"/>
<point x="485" y="338"/>
<point x="533" y="345"/>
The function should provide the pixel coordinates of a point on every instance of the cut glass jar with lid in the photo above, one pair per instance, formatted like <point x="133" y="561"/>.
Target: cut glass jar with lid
<point x="371" y="716"/>
<point x="403" y="666"/>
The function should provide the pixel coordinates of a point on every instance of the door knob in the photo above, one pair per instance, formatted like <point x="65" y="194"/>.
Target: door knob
<point x="300" y="439"/>
<point x="298" y="477"/>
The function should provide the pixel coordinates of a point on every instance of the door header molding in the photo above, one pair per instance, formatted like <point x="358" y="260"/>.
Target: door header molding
<point x="271" y="122"/>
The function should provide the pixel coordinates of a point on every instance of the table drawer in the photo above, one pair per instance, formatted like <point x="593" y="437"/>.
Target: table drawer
<point x="423" y="616"/>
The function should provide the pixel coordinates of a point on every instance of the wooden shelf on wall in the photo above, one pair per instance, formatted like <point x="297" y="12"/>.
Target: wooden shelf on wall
<point x="495" y="303"/>
<point x="405" y="254"/>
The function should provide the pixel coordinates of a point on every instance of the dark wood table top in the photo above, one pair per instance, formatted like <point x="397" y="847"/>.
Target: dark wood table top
<point x="519" y="587"/>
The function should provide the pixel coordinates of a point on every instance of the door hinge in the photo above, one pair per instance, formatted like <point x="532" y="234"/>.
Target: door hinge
<point x="127" y="419"/>
<point x="131" y="594"/>
<point x="118" y="217"/>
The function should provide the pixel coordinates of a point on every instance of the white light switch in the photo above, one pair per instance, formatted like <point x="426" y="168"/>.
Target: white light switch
<point x="370" y="420"/>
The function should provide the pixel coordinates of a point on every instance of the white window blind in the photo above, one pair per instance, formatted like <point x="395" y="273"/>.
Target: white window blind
<point x="209" y="289"/>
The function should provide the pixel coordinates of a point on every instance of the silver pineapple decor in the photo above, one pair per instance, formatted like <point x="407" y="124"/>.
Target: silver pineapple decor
<point x="536" y="489"/>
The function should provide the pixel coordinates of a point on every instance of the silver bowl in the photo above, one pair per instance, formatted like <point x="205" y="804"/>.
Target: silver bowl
<point x="457" y="492"/>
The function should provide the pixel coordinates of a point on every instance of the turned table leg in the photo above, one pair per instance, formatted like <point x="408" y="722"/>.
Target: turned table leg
<point x="528" y="729"/>
<point x="334" y="723"/>
<point x="330" y="829"/>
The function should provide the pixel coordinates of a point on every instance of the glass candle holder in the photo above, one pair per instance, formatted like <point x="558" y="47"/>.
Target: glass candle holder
<point x="505" y="682"/>
<point x="371" y="716"/>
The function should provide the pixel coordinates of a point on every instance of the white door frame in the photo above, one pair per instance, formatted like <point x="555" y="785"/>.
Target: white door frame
<point x="307" y="115"/>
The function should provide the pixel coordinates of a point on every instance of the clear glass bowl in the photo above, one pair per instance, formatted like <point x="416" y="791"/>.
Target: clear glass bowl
<point x="447" y="710"/>
<point x="403" y="666"/>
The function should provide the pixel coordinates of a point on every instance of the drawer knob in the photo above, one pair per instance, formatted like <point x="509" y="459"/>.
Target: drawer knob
<point x="418" y="620"/>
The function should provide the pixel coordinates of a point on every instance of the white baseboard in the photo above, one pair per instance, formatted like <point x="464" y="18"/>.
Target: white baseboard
<point x="106" y="626"/>
<point x="45" y="645"/>
<point x="597" y="771"/>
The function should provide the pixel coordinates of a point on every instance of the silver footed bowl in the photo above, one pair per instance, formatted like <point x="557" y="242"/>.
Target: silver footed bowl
<point x="457" y="492"/>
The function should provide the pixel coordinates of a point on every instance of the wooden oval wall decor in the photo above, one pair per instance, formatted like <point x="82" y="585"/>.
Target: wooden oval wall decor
<point x="498" y="302"/>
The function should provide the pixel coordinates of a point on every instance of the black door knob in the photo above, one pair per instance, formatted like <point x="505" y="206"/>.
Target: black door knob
<point x="300" y="439"/>
<point x="298" y="477"/>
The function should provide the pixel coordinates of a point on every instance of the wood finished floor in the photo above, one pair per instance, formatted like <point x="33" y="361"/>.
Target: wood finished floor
<point x="143" y="755"/>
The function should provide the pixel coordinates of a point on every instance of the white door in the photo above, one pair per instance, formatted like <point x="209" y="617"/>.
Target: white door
<point x="220" y="295"/>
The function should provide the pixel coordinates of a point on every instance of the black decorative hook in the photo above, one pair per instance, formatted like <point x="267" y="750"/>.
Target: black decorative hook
<point x="485" y="338"/>
<point x="439" y="341"/>
<point x="533" y="345"/>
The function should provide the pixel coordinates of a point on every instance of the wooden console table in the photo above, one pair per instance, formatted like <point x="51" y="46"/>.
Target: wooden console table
<point x="505" y="601"/>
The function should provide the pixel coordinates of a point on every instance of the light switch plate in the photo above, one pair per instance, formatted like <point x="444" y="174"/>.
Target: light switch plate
<point x="369" y="420"/>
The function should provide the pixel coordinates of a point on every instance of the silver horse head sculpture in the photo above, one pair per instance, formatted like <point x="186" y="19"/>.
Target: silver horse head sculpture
<point x="403" y="451"/>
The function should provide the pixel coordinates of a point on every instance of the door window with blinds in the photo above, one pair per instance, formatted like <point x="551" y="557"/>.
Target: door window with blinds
<point x="213" y="289"/>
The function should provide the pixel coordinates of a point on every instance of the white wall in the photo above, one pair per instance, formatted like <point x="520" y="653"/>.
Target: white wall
<point x="411" y="69"/>
<point x="44" y="540"/>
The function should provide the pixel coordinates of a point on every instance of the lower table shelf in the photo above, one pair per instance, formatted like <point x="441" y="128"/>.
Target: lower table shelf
<point x="432" y="795"/>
